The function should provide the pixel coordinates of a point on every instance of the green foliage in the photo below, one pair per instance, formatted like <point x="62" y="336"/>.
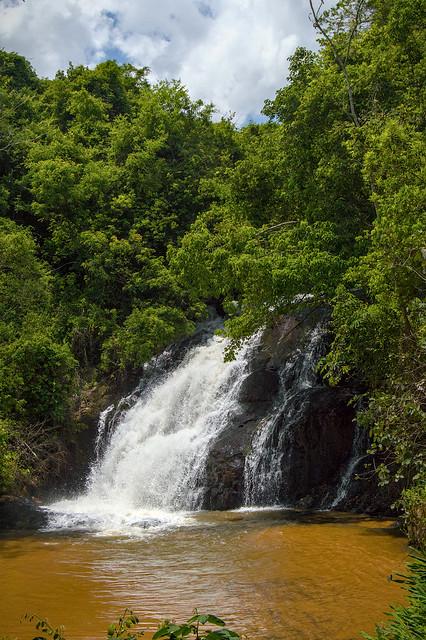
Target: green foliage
<point x="413" y="501"/>
<point x="16" y="72"/>
<point x="44" y="627"/>
<point x="9" y="467"/>
<point x="269" y="272"/>
<point x="39" y="376"/>
<point x="409" y="622"/>
<point x="24" y="279"/>
<point x="125" y="629"/>
<point x="37" y="370"/>
<point x="143" y="334"/>
<point x="194" y="628"/>
<point x="379" y="312"/>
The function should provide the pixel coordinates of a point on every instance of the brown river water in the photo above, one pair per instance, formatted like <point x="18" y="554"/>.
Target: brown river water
<point x="269" y="574"/>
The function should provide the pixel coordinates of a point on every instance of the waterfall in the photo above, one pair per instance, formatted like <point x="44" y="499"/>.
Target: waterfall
<point x="151" y="456"/>
<point x="264" y="477"/>
<point x="155" y="450"/>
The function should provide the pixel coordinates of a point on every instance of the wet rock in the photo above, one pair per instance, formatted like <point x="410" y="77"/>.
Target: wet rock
<point x="317" y="443"/>
<point x="305" y="503"/>
<point x="21" y="514"/>
<point x="314" y="434"/>
<point x="260" y="385"/>
<point x="224" y="473"/>
<point x="365" y="495"/>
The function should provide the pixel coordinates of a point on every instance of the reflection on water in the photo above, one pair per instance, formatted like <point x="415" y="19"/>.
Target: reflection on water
<point x="270" y="574"/>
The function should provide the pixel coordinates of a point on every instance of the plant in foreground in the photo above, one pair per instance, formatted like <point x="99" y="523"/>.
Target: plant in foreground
<point x="193" y="629"/>
<point x="413" y="502"/>
<point x="409" y="622"/>
<point x="125" y="629"/>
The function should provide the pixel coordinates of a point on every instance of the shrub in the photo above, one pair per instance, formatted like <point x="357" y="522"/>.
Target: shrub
<point x="413" y="502"/>
<point x="409" y="622"/>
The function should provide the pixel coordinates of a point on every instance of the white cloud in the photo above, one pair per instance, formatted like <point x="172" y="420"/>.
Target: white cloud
<point x="230" y="52"/>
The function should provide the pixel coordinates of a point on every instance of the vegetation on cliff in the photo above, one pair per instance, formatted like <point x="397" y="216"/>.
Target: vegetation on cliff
<point x="125" y="209"/>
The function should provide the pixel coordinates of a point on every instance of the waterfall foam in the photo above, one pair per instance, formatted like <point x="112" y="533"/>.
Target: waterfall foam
<point x="150" y="467"/>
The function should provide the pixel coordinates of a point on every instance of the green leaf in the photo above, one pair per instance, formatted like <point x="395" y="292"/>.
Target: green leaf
<point x="222" y="634"/>
<point x="199" y="617"/>
<point x="166" y="631"/>
<point x="215" y="620"/>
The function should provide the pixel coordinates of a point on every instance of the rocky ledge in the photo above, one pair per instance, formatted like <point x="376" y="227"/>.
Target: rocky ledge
<point x="312" y="432"/>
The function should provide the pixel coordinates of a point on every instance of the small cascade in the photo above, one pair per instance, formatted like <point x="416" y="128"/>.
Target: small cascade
<point x="357" y="454"/>
<point x="151" y="456"/>
<point x="264" y="472"/>
<point x="103" y="425"/>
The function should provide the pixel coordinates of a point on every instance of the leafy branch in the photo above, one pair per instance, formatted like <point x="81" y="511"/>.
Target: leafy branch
<point x="318" y="23"/>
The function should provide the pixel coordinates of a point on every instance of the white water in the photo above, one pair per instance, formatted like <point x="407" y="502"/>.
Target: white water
<point x="151" y="468"/>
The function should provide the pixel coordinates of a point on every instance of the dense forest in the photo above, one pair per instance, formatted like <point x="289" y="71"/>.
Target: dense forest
<point x="127" y="208"/>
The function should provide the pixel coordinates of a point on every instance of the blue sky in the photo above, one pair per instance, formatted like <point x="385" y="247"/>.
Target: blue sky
<point x="229" y="52"/>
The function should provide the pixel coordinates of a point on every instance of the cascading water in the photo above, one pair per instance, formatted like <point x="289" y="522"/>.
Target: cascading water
<point x="150" y="468"/>
<point x="263" y="473"/>
<point x="155" y="451"/>
<point x="359" y="446"/>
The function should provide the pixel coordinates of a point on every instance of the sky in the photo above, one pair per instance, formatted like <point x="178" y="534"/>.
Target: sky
<point x="229" y="52"/>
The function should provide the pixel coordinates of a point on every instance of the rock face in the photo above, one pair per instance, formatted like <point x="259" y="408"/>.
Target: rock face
<point x="294" y="439"/>
<point x="80" y="450"/>
<point x="224" y="474"/>
<point x="318" y="442"/>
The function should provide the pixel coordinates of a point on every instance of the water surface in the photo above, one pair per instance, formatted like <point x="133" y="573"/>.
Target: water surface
<point x="269" y="574"/>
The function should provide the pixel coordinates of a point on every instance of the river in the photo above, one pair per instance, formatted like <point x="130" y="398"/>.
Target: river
<point x="272" y="574"/>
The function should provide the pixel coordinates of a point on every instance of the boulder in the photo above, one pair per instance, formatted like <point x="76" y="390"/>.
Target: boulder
<point x="21" y="514"/>
<point x="261" y="385"/>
